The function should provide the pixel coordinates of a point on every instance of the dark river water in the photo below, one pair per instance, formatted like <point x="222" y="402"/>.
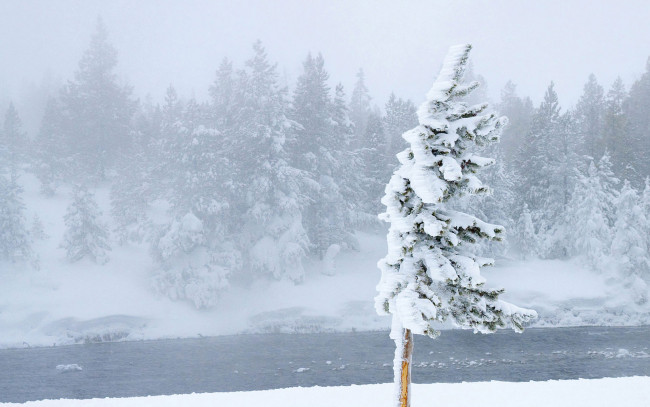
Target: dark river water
<point x="266" y="361"/>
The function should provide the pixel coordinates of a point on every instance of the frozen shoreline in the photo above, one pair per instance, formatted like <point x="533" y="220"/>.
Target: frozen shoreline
<point x="64" y="303"/>
<point x="623" y="392"/>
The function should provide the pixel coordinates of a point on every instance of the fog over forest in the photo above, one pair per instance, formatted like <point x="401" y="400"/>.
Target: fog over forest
<point x="397" y="44"/>
<point x="204" y="153"/>
<point x="256" y="195"/>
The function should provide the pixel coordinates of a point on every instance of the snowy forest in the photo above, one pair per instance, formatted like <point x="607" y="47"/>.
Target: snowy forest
<point x="264" y="176"/>
<point x="333" y="202"/>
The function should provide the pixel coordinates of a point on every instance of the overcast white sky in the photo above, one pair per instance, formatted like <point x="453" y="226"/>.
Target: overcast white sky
<point x="400" y="44"/>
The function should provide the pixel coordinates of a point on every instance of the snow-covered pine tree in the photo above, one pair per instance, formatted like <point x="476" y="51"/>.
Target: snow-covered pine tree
<point x="630" y="245"/>
<point x="430" y="274"/>
<point x="615" y="130"/>
<point x="638" y="128"/>
<point x="15" y="242"/>
<point x="609" y="186"/>
<point x="274" y="192"/>
<point x="85" y="234"/>
<point x="360" y="106"/>
<point x="645" y="205"/>
<point x="97" y="110"/>
<point x="53" y="162"/>
<point x="546" y="165"/>
<point x="222" y="94"/>
<point x="193" y="265"/>
<point x="499" y="205"/>
<point x="348" y="172"/>
<point x="589" y="114"/>
<point x="131" y="192"/>
<point x="318" y="149"/>
<point x="400" y="116"/>
<point x="13" y="140"/>
<point x="376" y="164"/>
<point x="520" y="113"/>
<point x="194" y="251"/>
<point x="37" y="230"/>
<point x="587" y="225"/>
<point x="645" y="200"/>
<point x="526" y="236"/>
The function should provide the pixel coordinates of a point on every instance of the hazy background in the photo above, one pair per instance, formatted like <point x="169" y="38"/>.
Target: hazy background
<point x="398" y="43"/>
<point x="246" y="209"/>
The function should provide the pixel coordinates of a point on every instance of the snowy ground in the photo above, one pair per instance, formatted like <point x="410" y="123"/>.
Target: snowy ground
<point x="620" y="392"/>
<point x="66" y="303"/>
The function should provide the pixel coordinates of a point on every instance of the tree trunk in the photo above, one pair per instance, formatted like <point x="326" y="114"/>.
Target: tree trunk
<point x="403" y="357"/>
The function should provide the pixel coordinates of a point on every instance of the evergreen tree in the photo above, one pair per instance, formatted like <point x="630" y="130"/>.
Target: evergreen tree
<point x="224" y="98"/>
<point x="96" y="109"/>
<point x="85" y="234"/>
<point x="500" y="204"/>
<point x="376" y="163"/>
<point x="588" y="226"/>
<point x="481" y="94"/>
<point x="194" y="252"/>
<point x="638" y="128"/>
<point x="645" y="199"/>
<point x="429" y="274"/>
<point x="319" y="150"/>
<point x="609" y="186"/>
<point x="400" y="116"/>
<point x="589" y="114"/>
<point x="547" y="160"/>
<point x="37" y="231"/>
<point x="630" y="245"/>
<point x="526" y="236"/>
<point x="348" y="174"/>
<point x="276" y="192"/>
<point x="520" y="113"/>
<point x="15" y="242"/>
<point x="360" y="106"/>
<point x="13" y="140"/>
<point x="645" y="205"/>
<point x="131" y="193"/>
<point x="615" y="130"/>
<point x="190" y="267"/>
<point x="53" y="163"/>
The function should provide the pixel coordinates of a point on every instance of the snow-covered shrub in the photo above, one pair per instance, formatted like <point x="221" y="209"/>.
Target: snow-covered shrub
<point x="190" y="269"/>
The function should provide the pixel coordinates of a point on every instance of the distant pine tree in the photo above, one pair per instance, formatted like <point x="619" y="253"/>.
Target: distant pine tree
<point x="637" y="137"/>
<point x="615" y="130"/>
<point x="85" y="234"/>
<point x="400" y="116"/>
<point x="15" y="242"/>
<point x="588" y="227"/>
<point x="96" y="111"/>
<point x="526" y="236"/>
<point x="13" y="140"/>
<point x="630" y="246"/>
<point x="589" y="113"/>
<point x="360" y="106"/>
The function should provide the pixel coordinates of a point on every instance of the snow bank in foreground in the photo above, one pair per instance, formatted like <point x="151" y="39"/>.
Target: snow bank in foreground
<point x="619" y="392"/>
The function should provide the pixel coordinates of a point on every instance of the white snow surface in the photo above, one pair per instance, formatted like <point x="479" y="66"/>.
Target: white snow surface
<point x="65" y="303"/>
<point x="620" y="392"/>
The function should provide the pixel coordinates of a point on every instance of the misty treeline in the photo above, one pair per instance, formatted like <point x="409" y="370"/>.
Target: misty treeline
<point x="260" y="177"/>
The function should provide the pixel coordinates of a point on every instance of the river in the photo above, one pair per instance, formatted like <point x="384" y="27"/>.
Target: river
<point x="266" y="361"/>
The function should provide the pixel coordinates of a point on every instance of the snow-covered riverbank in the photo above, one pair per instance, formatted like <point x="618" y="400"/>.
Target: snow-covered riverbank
<point x="620" y="392"/>
<point x="64" y="303"/>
